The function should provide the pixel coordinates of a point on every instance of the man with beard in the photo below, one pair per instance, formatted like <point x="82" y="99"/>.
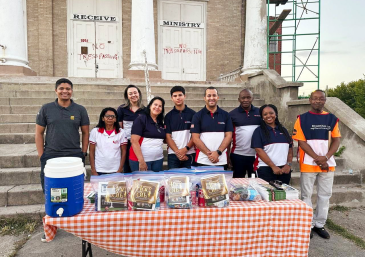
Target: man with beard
<point x="318" y="138"/>
<point x="211" y="131"/>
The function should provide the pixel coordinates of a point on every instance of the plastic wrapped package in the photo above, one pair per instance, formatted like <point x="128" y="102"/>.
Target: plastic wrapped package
<point x="110" y="192"/>
<point x="145" y="190"/>
<point x="213" y="188"/>
<point x="242" y="192"/>
<point x="180" y="190"/>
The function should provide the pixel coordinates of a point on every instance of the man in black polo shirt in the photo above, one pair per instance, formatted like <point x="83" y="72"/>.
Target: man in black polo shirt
<point x="211" y="131"/>
<point x="181" y="152"/>
<point x="246" y="118"/>
<point x="62" y="118"/>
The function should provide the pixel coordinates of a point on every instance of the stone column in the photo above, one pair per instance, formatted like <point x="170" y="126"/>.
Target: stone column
<point x="255" y="58"/>
<point x="13" y="39"/>
<point x="142" y="35"/>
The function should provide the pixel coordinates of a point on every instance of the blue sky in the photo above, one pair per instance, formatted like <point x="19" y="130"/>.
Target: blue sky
<point x="342" y="57"/>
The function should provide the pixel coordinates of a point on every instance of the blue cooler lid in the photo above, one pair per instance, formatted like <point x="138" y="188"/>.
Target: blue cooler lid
<point x="64" y="167"/>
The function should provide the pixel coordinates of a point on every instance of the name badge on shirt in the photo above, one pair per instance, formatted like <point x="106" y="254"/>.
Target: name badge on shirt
<point x="72" y="117"/>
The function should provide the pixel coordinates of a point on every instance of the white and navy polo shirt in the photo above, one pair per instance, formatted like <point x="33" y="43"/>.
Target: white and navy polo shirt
<point x="178" y="124"/>
<point x="107" y="149"/>
<point x="127" y="116"/>
<point x="211" y="127"/>
<point x="277" y="148"/>
<point x="244" y="124"/>
<point x="151" y="141"/>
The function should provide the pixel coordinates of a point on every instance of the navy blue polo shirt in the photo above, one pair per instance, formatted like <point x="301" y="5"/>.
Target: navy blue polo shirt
<point x="151" y="141"/>
<point x="244" y="124"/>
<point x="178" y="124"/>
<point x="127" y="116"/>
<point x="211" y="127"/>
<point x="277" y="148"/>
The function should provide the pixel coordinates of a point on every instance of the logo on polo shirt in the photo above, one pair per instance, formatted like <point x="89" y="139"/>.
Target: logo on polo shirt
<point x="115" y="142"/>
<point x="257" y="115"/>
<point x="221" y="122"/>
<point x="187" y="121"/>
<point x="72" y="117"/>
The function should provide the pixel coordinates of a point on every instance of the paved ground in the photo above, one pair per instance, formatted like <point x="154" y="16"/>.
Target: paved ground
<point x="67" y="245"/>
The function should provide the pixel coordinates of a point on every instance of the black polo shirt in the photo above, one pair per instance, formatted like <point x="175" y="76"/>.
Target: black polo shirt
<point x="211" y="127"/>
<point x="151" y="141"/>
<point x="178" y="124"/>
<point x="62" y="123"/>
<point x="127" y="116"/>
<point x="244" y="124"/>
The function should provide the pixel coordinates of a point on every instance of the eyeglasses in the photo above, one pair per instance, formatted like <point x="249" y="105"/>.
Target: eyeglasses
<point x="318" y="99"/>
<point x="110" y="116"/>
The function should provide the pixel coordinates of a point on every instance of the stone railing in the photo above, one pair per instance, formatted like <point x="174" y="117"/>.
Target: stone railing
<point x="230" y="76"/>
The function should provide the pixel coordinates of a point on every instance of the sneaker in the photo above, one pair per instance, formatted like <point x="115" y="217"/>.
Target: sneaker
<point x="43" y="238"/>
<point x="321" y="232"/>
<point x="311" y="233"/>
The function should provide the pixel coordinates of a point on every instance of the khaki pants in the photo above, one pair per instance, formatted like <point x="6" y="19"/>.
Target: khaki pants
<point x="324" y="191"/>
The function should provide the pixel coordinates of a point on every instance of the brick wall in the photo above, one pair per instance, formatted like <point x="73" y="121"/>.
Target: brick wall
<point x="224" y="37"/>
<point x="275" y="58"/>
<point x="60" y="57"/>
<point x="47" y="40"/>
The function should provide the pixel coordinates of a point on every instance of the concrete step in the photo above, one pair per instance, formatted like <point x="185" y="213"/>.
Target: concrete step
<point x="114" y="102"/>
<point x="26" y="156"/>
<point x="227" y="95"/>
<point x="342" y="177"/>
<point x="34" y="212"/>
<point x="21" y="195"/>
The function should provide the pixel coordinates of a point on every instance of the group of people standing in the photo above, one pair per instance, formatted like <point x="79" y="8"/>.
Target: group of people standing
<point x="247" y="139"/>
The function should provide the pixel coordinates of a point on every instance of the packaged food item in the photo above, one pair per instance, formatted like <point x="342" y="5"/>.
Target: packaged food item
<point x="110" y="192"/>
<point x="290" y="192"/>
<point x="242" y="192"/>
<point x="213" y="189"/>
<point x="144" y="190"/>
<point x="270" y="193"/>
<point x="180" y="191"/>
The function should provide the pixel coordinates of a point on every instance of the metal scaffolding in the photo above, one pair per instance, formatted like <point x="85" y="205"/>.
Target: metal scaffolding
<point x="294" y="26"/>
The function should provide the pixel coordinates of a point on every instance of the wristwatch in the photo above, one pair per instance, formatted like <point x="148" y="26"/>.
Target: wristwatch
<point x="84" y="153"/>
<point x="289" y="164"/>
<point x="219" y="152"/>
<point x="187" y="147"/>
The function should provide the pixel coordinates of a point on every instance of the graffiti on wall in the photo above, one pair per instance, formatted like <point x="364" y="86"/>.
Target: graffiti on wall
<point x="182" y="48"/>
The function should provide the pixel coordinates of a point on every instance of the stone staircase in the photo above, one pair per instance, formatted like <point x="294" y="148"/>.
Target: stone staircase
<point x="21" y="99"/>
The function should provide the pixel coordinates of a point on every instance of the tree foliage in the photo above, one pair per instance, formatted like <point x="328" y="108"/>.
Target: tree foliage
<point x="352" y="94"/>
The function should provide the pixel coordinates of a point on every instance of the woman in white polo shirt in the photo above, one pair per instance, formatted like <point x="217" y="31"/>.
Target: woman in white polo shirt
<point x="108" y="144"/>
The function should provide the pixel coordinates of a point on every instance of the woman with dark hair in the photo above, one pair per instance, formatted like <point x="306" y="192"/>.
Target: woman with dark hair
<point x="273" y="146"/>
<point x="108" y="144"/>
<point x="148" y="135"/>
<point x="127" y="113"/>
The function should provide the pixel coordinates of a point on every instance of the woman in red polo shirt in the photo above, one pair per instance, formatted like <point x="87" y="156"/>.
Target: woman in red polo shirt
<point x="148" y="135"/>
<point x="108" y="144"/>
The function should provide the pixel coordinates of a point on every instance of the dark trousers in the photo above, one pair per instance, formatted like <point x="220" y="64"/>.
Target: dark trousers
<point x="174" y="163"/>
<point x="241" y="165"/>
<point x="127" y="167"/>
<point x="46" y="157"/>
<point x="266" y="173"/>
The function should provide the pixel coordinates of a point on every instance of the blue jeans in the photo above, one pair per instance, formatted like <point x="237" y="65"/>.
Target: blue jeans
<point x="155" y="166"/>
<point x="174" y="162"/>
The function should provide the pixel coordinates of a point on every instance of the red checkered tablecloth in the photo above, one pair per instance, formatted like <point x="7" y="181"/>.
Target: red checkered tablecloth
<point x="261" y="228"/>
